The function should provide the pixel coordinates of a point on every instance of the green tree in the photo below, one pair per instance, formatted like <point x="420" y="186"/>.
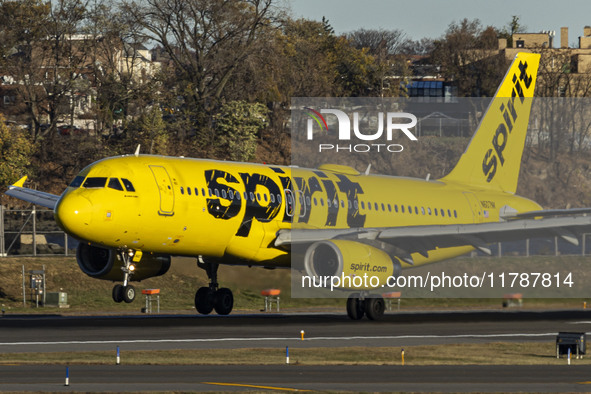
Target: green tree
<point x="15" y="153"/>
<point x="149" y="131"/>
<point x="237" y="125"/>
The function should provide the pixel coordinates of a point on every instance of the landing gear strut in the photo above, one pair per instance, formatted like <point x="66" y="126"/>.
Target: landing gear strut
<point x="372" y="307"/>
<point x="213" y="297"/>
<point x="125" y="292"/>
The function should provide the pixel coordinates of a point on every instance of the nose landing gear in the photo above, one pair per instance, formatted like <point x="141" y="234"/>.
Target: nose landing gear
<point x="125" y="292"/>
<point x="212" y="297"/>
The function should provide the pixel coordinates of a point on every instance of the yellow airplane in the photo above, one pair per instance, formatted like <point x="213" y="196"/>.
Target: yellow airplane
<point x="131" y="213"/>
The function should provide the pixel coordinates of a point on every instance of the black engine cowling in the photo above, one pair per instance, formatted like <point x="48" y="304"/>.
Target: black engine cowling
<point x="102" y="263"/>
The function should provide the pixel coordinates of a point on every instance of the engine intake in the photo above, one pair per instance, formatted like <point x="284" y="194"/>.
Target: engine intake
<point x="103" y="263"/>
<point x="349" y="260"/>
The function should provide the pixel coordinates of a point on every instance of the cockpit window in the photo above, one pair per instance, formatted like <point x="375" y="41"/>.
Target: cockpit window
<point x="128" y="185"/>
<point x="95" y="182"/>
<point x="77" y="181"/>
<point x="115" y="184"/>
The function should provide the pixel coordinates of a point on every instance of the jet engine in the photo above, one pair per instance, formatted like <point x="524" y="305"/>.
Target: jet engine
<point x="357" y="265"/>
<point x="102" y="263"/>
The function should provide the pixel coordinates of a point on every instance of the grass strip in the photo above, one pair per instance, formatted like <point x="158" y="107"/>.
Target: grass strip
<point x="492" y="353"/>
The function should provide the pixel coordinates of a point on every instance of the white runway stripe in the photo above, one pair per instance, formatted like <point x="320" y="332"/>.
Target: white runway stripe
<point x="308" y="339"/>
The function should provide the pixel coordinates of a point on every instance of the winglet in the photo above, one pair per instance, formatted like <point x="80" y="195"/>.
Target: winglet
<point x="20" y="182"/>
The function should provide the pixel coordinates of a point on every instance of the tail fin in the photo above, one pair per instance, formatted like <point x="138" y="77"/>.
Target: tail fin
<point x="493" y="157"/>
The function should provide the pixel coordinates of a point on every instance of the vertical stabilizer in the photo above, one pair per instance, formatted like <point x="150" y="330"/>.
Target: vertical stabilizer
<point x="493" y="157"/>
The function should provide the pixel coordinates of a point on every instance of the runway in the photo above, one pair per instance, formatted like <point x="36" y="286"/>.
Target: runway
<point x="146" y="332"/>
<point x="292" y="377"/>
<point x="85" y="333"/>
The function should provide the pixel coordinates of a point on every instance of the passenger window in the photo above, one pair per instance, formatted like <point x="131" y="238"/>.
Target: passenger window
<point x="224" y="194"/>
<point x="272" y="198"/>
<point x="383" y="209"/>
<point x="435" y="210"/>
<point x="429" y="211"/>
<point x="328" y="203"/>
<point x="95" y="182"/>
<point x="356" y="205"/>
<point x="315" y="201"/>
<point x="389" y="208"/>
<point x="231" y="193"/>
<point x="203" y="192"/>
<point x="417" y="211"/>
<point x="128" y="185"/>
<point x="217" y="193"/>
<point x="402" y="208"/>
<point x="442" y="212"/>
<point x="182" y="190"/>
<point x="455" y="214"/>
<point x="307" y="200"/>
<point x="279" y="198"/>
<point x="209" y="192"/>
<point x="77" y="181"/>
<point x="252" y="196"/>
<point x="362" y="205"/>
<point x="396" y="208"/>
<point x="448" y="213"/>
<point x="423" y="210"/>
<point x="115" y="184"/>
<point x="265" y="197"/>
<point x="375" y="204"/>
<point x="196" y="191"/>
<point x="342" y="204"/>
<point x="322" y="201"/>
<point x="288" y="203"/>
<point x="369" y="206"/>
<point x="189" y="191"/>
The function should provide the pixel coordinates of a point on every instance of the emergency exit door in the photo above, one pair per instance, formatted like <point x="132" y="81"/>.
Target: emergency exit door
<point x="166" y="190"/>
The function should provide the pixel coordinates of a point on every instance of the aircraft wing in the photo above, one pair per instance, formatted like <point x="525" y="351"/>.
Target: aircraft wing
<point x="36" y="197"/>
<point x="421" y="239"/>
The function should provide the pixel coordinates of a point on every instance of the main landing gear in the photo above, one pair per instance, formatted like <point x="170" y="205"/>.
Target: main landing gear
<point x="125" y="292"/>
<point x="372" y="306"/>
<point x="212" y="297"/>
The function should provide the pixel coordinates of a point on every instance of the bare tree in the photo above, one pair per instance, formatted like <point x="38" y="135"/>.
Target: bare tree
<point x="46" y="57"/>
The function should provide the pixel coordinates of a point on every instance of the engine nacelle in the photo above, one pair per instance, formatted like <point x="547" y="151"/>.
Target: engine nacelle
<point x="102" y="263"/>
<point x="353" y="262"/>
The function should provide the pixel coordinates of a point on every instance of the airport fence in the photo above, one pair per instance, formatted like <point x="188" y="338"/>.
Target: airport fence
<point x="32" y="232"/>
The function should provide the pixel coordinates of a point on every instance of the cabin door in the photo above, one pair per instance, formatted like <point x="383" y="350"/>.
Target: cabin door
<point x="165" y="189"/>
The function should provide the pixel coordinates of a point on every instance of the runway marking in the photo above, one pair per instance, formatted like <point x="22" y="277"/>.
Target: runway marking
<point x="308" y="339"/>
<point x="252" y="386"/>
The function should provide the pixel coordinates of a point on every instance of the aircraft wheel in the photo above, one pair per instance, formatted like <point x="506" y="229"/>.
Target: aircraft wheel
<point x="223" y="301"/>
<point x="117" y="293"/>
<point x="355" y="307"/>
<point x="374" y="308"/>
<point x="204" y="299"/>
<point x="128" y="293"/>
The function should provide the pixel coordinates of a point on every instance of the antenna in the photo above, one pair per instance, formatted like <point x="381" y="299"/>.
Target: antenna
<point x="367" y="169"/>
<point x="428" y="177"/>
<point x="137" y="151"/>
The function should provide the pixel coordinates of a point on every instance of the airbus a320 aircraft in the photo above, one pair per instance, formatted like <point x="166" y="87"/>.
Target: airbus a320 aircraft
<point x="132" y="213"/>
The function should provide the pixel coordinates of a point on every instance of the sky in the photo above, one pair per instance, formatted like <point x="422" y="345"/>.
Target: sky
<point x="430" y="18"/>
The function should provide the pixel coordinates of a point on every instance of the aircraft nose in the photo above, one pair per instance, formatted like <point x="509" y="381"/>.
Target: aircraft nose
<point x="74" y="214"/>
